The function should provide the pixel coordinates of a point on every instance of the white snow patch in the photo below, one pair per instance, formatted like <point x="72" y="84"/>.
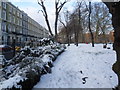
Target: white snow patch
<point x="11" y="82"/>
<point x="82" y="67"/>
<point x="46" y="58"/>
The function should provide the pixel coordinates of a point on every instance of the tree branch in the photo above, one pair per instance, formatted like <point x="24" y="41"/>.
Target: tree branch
<point x="41" y="3"/>
<point x="60" y="7"/>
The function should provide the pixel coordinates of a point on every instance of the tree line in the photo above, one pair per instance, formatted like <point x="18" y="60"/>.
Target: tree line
<point x="93" y="18"/>
<point x="86" y="17"/>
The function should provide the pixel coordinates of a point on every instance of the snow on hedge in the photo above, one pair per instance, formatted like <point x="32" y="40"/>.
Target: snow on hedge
<point x="25" y="69"/>
<point x="12" y="82"/>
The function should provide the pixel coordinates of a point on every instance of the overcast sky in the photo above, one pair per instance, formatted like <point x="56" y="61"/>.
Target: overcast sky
<point x="31" y="7"/>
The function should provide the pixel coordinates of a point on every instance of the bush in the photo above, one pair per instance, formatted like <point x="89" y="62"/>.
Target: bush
<point x="26" y="68"/>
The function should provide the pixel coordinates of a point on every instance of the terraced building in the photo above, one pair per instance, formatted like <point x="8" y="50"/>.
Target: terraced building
<point x="16" y="24"/>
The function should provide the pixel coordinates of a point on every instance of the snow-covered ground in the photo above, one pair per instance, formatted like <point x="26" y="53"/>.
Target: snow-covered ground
<point x="82" y="67"/>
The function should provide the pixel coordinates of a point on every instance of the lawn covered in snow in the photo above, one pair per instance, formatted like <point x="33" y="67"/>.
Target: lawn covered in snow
<point x="82" y="67"/>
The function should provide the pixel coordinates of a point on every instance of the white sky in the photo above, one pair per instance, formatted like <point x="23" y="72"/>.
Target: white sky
<point x="31" y="7"/>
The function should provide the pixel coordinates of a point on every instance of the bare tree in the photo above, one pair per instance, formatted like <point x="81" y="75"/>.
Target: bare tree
<point x="87" y="21"/>
<point x="58" y="7"/>
<point x="66" y="25"/>
<point x="74" y="26"/>
<point x="79" y="12"/>
<point x="101" y="21"/>
<point x="41" y="3"/>
<point x="105" y="22"/>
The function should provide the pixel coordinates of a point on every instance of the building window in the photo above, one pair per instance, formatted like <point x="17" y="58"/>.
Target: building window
<point x="4" y="5"/>
<point x="14" y="11"/>
<point x="3" y="26"/>
<point x="16" y="21"/>
<point x="10" y="17"/>
<point x="10" y="9"/>
<point x="9" y="28"/>
<point x="20" y="22"/>
<point x="2" y="39"/>
<point x="4" y="15"/>
<point x="18" y="13"/>
<point x="13" y="19"/>
<point x="17" y="30"/>
<point x="13" y="28"/>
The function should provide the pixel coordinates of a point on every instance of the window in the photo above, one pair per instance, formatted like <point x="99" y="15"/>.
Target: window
<point x="4" y="5"/>
<point x="3" y="26"/>
<point x="20" y="22"/>
<point x="9" y="28"/>
<point x="13" y="28"/>
<point x="2" y="39"/>
<point x="10" y="17"/>
<point x="14" y="11"/>
<point x="16" y="21"/>
<point x="18" y="13"/>
<point x="20" y="30"/>
<point x="4" y="15"/>
<point x="23" y="23"/>
<point x="13" y="19"/>
<point x="10" y="8"/>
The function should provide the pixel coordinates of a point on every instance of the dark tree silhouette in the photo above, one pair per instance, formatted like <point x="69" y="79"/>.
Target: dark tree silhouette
<point x="114" y="8"/>
<point x="41" y="3"/>
<point x="58" y="7"/>
<point x="66" y="25"/>
<point x="92" y="37"/>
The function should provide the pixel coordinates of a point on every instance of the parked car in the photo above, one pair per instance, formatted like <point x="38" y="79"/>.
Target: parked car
<point x="7" y="51"/>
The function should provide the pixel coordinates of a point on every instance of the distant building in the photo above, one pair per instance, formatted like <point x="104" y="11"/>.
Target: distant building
<point x="16" y="24"/>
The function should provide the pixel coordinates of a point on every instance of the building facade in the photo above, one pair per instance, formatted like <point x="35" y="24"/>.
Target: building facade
<point x="0" y="23"/>
<point x="16" y="24"/>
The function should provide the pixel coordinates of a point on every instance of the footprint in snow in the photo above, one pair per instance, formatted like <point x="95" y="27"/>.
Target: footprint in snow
<point x="81" y="72"/>
<point x="98" y="83"/>
<point x="110" y="76"/>
<point x="59" y="68"/>
<point x="84" y="80"/>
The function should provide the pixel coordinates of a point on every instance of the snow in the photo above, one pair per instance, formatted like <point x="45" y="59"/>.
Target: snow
<point x="2" y="46"/>
<point x="1" y="59"/>
<point x="11" y="82"/>
<point x="28" y="64"/>
<point x="46" y="58"/>
<point x="82" y="67"/>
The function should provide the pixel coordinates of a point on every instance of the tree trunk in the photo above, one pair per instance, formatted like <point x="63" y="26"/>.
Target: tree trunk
<point x="68" y="40"/>
<point x="76" y="34"/>
<point x="67" y="36"/>
<point x="76" y="37"/>
<point x="49" y="27"/>
<point x="115" y="11"/>
<point x="41" y="3"/>
<point x="56" y="21"/>
<point x="92" y="37"/>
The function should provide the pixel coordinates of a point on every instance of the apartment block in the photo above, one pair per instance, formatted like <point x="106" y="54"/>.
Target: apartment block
<point x="16" y="24"/>
<point x="0" y="23"/>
